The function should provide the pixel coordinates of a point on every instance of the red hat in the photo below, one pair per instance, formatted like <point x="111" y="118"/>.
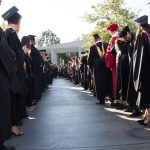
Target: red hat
<point x="112" y="27"/>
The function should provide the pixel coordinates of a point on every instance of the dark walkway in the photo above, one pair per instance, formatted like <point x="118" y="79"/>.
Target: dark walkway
<point x="67" y="118"/>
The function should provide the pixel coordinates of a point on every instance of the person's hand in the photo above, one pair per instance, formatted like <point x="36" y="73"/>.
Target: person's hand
<point x="25" y="49"/>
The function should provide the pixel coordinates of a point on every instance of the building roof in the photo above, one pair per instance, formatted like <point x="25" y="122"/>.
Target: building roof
<point x="65" y="47"/>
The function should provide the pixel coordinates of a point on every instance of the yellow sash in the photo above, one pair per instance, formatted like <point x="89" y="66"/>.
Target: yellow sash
<point x="101" y="52"/>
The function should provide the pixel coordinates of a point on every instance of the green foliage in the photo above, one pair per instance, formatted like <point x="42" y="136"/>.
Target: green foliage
<point x="47" y="38"/>
<point x="103" y="14"/>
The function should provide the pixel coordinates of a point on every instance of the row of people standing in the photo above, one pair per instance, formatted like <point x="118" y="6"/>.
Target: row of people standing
<point x="25" y="74"/>
<point x="118" y="71"/>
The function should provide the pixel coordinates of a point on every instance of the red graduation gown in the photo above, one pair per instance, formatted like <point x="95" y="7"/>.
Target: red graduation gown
<point x="111" y="62"/>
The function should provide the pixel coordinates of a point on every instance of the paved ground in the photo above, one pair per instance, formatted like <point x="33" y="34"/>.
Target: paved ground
<point x="67" y="118"/>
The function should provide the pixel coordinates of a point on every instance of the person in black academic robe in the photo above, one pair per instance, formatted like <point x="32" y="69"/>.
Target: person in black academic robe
<point x="141" y="65"/>
<point x="122" y="61"/>
<point x="83" y="69"/>
<point x="55" y="70"/>
<point x="18" y="111"/>
<point x="29" y="80"/>
<point x="7" y="71"/>
<point x="50" y="72"/>
<point x="25" y="42"/>
<point x="101" y="73"/>
<point x="132" y="95"/>
<point x="37" y="76"/>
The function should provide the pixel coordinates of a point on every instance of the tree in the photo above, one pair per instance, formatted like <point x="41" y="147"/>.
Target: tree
<point x="47" y="38"/>
<point x="103" y="14"/>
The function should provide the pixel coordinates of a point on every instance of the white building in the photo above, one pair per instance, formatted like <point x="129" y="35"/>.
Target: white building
<point x="60" y="52"/>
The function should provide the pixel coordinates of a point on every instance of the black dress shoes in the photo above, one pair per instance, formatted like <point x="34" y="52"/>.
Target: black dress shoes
<point x="128" y="110"/>
<point x="142" y="122"/>
<point x="135" y="114"/>
<point x="115" y="104"/>
<point x="121" y="107"/>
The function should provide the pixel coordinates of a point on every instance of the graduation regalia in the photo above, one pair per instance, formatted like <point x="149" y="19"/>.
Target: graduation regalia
<point x="7" y="70"/>
<point x="111" y="59"/>
<point x="141" y="65"/>
<point x="100" y="72"/>
<point x="111" y="62"/>
<point x="29" y="79"/>
<point x="36" y="63"/>
<point x="17" y="97"/>
<point x="122" y="62"/>
<point x="83" y="69"/>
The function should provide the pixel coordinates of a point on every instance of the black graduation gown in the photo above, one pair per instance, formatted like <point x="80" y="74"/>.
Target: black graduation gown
<point x="37" y="75"/>
<point x="45" y="74"/>
<point x="29" y="80"/>
<point x="55" y="70"/>
<point x="17" y="99"/>
<point x="7" y="70"/>
<point x="141" y="69"/>
<point x="83" y="69"/>
<point x="102" y="75"/>
<point x="50" y="74"/>
<point x="132" y="94"/>
<point x="123" y="69"/>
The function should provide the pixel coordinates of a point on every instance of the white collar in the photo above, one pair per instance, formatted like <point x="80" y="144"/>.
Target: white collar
<point x="10" y="27"/>
<point x="98" y="41"/>
<point x="116" y="34"/>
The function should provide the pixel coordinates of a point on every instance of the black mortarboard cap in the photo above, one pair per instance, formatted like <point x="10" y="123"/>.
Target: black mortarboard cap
<point x="10" y="13"/>
<point x="83" y="52"/>
<point x="126" y="28"/>
<point x="32" y="37"/>
<point x="142" y="20"/>
<point x="43" y="50"/>
<point x="122" y="34"/>
<point x="96" y="36"/>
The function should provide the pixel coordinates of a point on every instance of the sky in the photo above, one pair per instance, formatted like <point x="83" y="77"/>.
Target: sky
<point x="63" y="17"/>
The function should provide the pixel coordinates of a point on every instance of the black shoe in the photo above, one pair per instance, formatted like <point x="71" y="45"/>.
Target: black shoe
<point x="128" y="110"/>
<point x="135" y="114"/>
<point x="121" y="107"/>
<point x="142" y="122"/>
<point x="9" y="148"/>
<point x="115" y="104"/>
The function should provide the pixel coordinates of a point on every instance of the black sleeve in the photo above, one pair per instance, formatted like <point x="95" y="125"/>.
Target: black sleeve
<point x="15" y="45"/>
<point x="7" y="58"/>
<point x="14" y="42"/>
<point x="113" y="50"/>
<point x="36" y="60"/>
<point x="91" y="58"/>
<point x="105" y="46"/>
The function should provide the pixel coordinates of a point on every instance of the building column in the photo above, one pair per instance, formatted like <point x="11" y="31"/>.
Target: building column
<point x="54" y="57"/>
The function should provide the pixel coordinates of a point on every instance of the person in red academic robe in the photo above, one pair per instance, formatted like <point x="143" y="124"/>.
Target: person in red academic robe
<point x="109" y="58"/>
